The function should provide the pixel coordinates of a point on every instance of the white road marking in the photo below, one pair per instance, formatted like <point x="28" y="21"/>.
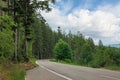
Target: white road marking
<point x="25" y="78"/>
<point x="110" y="77"/>
<point x="65" y="77"/>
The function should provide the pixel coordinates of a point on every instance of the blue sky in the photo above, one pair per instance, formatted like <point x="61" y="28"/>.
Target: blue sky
<point x="99" y="19"/>
<point x="84" y="4"/>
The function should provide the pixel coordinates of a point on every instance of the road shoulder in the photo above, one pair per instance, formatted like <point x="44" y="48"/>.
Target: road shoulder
<point x="39" y="73"/>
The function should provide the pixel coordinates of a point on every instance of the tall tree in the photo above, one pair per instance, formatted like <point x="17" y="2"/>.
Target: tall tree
<point x="43" y="40"/>
<point x="78" y="44"/>
<point x="59" y="33"/>
<point x="100" y="43"/>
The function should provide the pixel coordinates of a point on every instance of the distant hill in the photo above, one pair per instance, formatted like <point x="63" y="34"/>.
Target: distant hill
<point x="115" y="45"/>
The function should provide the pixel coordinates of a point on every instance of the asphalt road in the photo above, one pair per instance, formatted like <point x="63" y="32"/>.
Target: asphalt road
<point x="71" y="72"/>
<point x="39" y="73"/>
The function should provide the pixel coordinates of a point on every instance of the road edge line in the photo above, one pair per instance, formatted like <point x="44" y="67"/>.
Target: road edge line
<point x="58" y="74"/>
<point x="110" y="77"/>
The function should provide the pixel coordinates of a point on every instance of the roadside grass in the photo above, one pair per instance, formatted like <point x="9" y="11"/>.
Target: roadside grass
<point x="113" y="68"/>
<point x="33" y="61"/>
<point x="17" y="75"/>
<point x="16" y="71"/>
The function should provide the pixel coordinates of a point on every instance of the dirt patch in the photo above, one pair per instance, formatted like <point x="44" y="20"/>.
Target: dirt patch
<point x="7" y="69"/>
<point x="1" y="78"/>
<point x="26" y="66"/>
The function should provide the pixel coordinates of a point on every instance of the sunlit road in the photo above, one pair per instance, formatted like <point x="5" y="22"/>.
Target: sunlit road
<point x="55" y="71"/>
<point x="70" y="72"/>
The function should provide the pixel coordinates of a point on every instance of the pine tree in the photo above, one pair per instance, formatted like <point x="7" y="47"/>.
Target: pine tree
<point x="100" y="43"/>
<point x="79" y="41"/>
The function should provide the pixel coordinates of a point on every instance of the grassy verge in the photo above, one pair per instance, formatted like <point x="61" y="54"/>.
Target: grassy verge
<point x="113" y="68"/>
<point x="17" y="75"/>
<point x="33" y="61"/>
<point x="16" y="71"/>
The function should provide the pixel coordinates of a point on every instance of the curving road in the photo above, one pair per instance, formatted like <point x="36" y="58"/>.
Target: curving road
<point x="58" y="71"/>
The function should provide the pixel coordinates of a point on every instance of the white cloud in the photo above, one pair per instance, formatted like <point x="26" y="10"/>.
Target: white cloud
<point x="115" y="9"/>
<point x="103" y="23"/>
<point x="67" y="6"/>
<point x="64" y="6"/>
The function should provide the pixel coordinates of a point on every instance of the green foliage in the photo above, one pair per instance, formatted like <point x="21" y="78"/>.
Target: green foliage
<point x="114" y="56"/>
<point x="113" y="67"/>
<point x="86" y="54"/>
<point x="100" y="43"/>
<point x="6" y="44"/>
<point x="15" y="30"/>
<point x="42" y="40"/>
<point x="98" y="58"/>
<point x="106" y="56"/>
<point x="6" y="22"/>
<point x="87" y="51"/>
<point x="33" y="61"/>
<point x="78" y="42"/>
<point x="62" y="50"/>
<point x="6" y="37"/>
<point x="68" y="60"/>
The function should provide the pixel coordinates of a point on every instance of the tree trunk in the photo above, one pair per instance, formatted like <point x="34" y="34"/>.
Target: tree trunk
<point x="26" y="43"/>
<point x="8" y="7"/>
<point x="15" y="34"/>
<point x="41" y="55"/>
<point x="26" y="47"/>
<point x="2" y="5"/>
<point x="16" y="43"/>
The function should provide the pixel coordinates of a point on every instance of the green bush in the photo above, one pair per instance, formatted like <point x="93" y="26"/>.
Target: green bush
<point x="68" y="60"/>
<point x="6" y="37"/>
<point x="62" y="50"/>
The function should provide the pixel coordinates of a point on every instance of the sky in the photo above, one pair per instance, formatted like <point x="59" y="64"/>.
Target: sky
<point x="98" y="19"/>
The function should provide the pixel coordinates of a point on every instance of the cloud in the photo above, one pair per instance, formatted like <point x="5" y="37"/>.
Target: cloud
<point x="111" y="8"/>
<point x="102" y="23"/>
<point x="64" y="5"/>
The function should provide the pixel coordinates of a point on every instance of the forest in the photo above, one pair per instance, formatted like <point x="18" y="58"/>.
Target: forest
<point x="18" y="30"/>
<point x="24" y="34"/>
<point x="17" y="35"/>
